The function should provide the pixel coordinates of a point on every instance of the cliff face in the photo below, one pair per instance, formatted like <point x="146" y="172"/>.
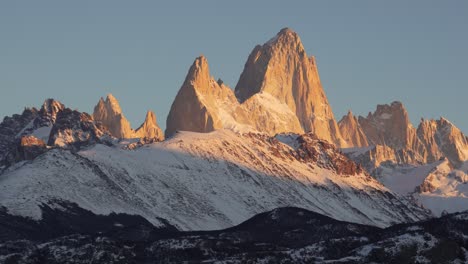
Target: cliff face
<point x="389" y="128"/>
<point x="109" y="114"/>
<point x="352" y="132"/>
<point x="279" y="91"/>
<point x="443" y="139"/>
<point x="150" y="128"/>
<point x="204" y="105"/>
<point x="282" y="69"/>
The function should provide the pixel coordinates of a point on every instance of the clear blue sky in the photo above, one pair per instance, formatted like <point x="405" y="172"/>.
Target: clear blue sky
<point x="368" y="52"/>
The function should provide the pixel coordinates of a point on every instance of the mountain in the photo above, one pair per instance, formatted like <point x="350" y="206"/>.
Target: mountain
<point x="427" y="164"/>
<point x="149" y="128"/>
<point x="282" y="235"/>
<point x="109" y="114"/>
<point x="351" y="131"/>
<point x="443" y="139"/>
<point x="204" y="105"/>
<point x="205" y="181"/>
<point x="279" y="91"/>
<point x="389" y="130"/>
<point x="282" y="69"/>
<point x="32" y="133"/>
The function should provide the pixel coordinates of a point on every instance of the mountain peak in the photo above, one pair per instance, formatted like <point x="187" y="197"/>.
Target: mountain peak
<point x="50" y="108"/>
<point x="286" y="40"/>
<point x="150" y="129"/>
<point x="112" y="103"/>
<point x="282" y="69"/>
<point x="109" y="113"/>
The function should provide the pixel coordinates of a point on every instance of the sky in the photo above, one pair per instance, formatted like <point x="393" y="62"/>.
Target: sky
<point x="368" y="52"/>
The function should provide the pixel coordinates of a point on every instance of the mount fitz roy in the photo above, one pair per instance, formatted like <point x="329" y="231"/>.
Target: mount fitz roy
<point x="227" y="155"/>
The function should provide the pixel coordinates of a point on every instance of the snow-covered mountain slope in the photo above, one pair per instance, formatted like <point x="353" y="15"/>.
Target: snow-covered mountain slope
<point x="438" y="186"/>
<point x="444" y="189"/>
<point x="205" y="181"/>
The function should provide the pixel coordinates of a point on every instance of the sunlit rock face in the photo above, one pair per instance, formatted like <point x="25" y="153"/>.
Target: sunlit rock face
<point x="149" y="128"/>
<point x="443" y="139"/>
<point x="282" y="69"/>
<point x="204" y="105"/>
<point x="279" y="91"/>
<point x="109" y="114"/>
<point x="352" y="132"/>
<point x="389" y="127"/>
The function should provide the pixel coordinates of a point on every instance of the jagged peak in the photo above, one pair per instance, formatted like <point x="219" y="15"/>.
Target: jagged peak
<point x="51" y="105"/>
<point x="112" y="103"/>
<point x="150" y="117"/>
<point x="198" y="71"/>
<point x="286" y="37"/>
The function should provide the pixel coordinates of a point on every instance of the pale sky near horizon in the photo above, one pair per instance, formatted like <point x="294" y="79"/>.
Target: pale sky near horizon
<point x="368" y="52"/>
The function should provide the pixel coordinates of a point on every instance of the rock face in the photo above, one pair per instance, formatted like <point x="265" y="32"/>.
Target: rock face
<point x="282" y="69"/>
<point x="150" y="128"/>
<point x="352" y="132"/>
<point x="443" y="139"/>
<point x="389" y="130"/>
<point x="193" y="108"/>
<point x="390" y="126"/>
<point x="109" y="114"/>
<point x="204" y="105"/>
<point x="73" y="129"/>
<point x="279" y="91"/>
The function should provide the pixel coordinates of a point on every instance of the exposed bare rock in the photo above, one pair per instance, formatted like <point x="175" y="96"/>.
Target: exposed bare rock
<point x="73" y="129"/>
<point x="352" y="132"/>
<point x="30" y="147"/>
<point x="9" y="129"/>
<point x="150" y="129"/>
<point x="282" y="69"/>
<point x="390" y="125"/>
<point x="443" y="139"/>
<point x="203" y="105"/>
<point x="193" y="108"/>
<point x="110" y="114"/>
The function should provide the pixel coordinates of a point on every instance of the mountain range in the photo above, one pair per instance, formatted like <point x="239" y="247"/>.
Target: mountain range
<point x="229" y="154"/>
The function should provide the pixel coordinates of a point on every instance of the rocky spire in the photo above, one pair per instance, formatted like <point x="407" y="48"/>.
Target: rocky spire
<point x="110" y="114"/>
<point x="49" y="110"/>
<point x="282" y="69"/>
<point x="203" y="105"/>
<point x="352" y="131"/>
<point x="443" y="139"/>
<point x="192" y="109"/>
<point x="390" y="125"/>
<point x="150" y="128"/>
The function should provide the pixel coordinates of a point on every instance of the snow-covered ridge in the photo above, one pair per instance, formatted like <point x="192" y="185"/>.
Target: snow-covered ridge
<point x="204" y="181"/>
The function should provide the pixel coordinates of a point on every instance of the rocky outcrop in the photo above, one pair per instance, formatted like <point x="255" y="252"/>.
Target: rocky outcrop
<point x="443" y="139"/>
<point x="204" y="105"/>
<point x="29" y="147"/>
<point x="282" y="69"/>
<point x="389" y="130"/>
<point x="150" y="129"/>
<point x="73" y="129"/>
<point x="193" y="108"/>
<point x="279" y="91"/>
<point x="390" y="126"/>
<point x="109" y="113"/>
<point x="352" y="132"/>
<point x="9" y="129"/>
